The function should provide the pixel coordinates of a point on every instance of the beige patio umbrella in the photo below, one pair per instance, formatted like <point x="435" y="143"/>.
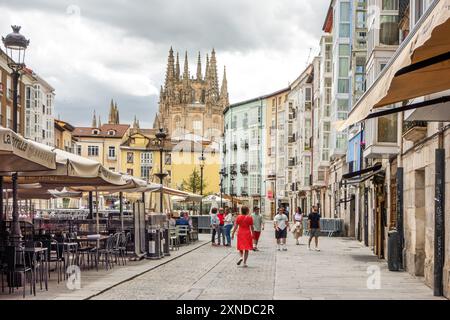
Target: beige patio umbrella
<point x="18" y="154"/>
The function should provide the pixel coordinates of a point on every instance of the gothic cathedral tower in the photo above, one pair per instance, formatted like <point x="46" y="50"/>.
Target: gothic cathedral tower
<point x="189" y="104"/>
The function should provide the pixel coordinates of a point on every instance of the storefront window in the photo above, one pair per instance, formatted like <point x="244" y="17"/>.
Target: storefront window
<point x="387" y="128"/>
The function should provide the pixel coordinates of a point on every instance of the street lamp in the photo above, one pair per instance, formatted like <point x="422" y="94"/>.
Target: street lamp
<point x="16" y="45"/>
<point x="161" y="135"/>
<point x="202" y="166"/>
<point x="232" y="192"/>
<point x="222" y="175"/>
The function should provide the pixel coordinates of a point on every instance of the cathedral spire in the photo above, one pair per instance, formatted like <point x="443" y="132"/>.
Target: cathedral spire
<point x="135" y="123"/>
<point x="224" y="89"/>
<point x="199" y="67"/>
<point x="99" y="122"/>
<point x="207" y="67"/>
<point x="170" y="73"/>
<point x="213" y="73"/>
<point x="177" y="68"/>
<point x="186" y="67"/>
<point x="94" y="121"/>
<point x="111" y="111"/>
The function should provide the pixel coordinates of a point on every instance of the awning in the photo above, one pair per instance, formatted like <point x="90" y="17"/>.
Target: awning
<point x="359" y="173"/>
<point x="18" y="154"/>
<point x="132" y="184"/>
<point x="421" y="66"/>
<point x="73" y="170"/>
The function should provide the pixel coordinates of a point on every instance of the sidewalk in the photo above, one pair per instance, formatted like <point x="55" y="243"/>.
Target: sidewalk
<point x="338" y="271"/>
<point x="93" y="282"/>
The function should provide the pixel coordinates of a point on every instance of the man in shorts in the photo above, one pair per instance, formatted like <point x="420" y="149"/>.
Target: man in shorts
<point x="281" y="224"/>
<point x="314" y="227"/>
<point x="258" y="225"/>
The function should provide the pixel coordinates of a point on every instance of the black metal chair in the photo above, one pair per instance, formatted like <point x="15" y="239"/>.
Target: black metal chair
<point x="17" y="265"/>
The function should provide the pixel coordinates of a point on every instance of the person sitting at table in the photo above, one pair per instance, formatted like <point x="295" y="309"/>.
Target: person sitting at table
<point x="182" y="221"/>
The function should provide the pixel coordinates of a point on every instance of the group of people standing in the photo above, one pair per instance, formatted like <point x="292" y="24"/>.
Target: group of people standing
<point x="249" y="226"/>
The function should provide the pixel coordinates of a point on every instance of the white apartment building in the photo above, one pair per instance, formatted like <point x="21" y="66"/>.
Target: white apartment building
<point x="298" y="143"/>
<point x="39" y="109"/>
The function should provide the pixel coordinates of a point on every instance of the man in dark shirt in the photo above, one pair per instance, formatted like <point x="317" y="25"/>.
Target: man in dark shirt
<point x="314" y="227"/>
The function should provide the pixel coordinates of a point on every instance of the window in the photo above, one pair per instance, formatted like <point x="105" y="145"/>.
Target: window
<point x="307" y="94"/>
<point x="343" y="86"/>
<point x="95" y="132"/>
<point x="111" y="132"/>
<point x="345" y="11"/>
<point x="130" y="172"/>
<point x="344" y="30"/>
<point x="197" y="125"/>
<point x="112" y="152"/>
<point x="145" y="171"/>
<point x="93" y="151"/>
<point x="387" y="128"/>
<point x="130" y="157"/>
<point x="389" y="5"/>
<point x="168" y="158"/>
<point x="146" y="158"/>
<point x="360" y="19"/>
<point x="344" y="50"/>
<point x="8" y="117"/>
<point x="389" y="31"/>
<point x="344" y="67"/>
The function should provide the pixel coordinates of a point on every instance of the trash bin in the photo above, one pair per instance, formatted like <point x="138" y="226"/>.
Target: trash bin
<point x="393" y="251"/>
<point x="153" y="243"/>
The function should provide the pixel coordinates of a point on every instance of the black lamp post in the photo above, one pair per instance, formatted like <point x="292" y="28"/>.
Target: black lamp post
<point x="232" y="192"/>
<point x="161" y="135"/>
<point x="202" y="166"/>
<point x="222" y="175"/>
<point x="16" y="45"/>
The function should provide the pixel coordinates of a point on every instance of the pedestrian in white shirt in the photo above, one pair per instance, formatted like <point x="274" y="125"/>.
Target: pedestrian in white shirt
<point x="281" y="225"/>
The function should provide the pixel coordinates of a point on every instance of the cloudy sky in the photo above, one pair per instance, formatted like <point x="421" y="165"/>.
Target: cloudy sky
<point x="92" y="51"/>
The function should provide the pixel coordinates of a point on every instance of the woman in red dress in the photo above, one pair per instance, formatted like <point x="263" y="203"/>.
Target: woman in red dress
<point x="244" y="227"/>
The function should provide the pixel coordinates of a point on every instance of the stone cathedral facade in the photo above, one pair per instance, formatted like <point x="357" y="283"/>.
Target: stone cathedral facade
<point x="192" y="104"/>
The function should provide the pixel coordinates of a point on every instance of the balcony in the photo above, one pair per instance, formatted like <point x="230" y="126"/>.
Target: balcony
<point x="224" y="149"/>
<point x="1" y="88"/>
<point x="292" y="162"/>
<point x="244" y="192"/>
<point x="235" y="146"/>
<point x="244" y="168"/>
<point x="292" y="138"/>
<point x="381" y="138"/>
<point x="414" y="130"/>
<point x="244" y="144"/>
<point x="233" y="169"/>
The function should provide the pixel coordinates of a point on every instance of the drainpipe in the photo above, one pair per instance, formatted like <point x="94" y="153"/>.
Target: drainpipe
<point x="399" y="196"/>
<point x="439" y="216"/>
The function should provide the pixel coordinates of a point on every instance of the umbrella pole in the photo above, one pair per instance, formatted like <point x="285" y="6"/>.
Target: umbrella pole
<point x="121" y="209"/>
<point x="91" y="207"/>
<point x="1" y="203"/>
<point x="16" y="235"/>
<point x="96" y="212"/>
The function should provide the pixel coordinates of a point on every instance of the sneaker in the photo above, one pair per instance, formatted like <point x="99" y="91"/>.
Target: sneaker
<point x="284" y="249"/>
<point x="317" y="249"/>
<point x="245" y="266"/>
<point x="239" y="262"/>
<point x="278" y="249"/>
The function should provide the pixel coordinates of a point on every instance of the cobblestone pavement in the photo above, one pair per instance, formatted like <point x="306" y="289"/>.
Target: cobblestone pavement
<point x="338" y="271"/>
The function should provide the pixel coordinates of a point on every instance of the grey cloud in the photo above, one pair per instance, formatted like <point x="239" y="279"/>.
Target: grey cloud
<point x="231" y="25"/>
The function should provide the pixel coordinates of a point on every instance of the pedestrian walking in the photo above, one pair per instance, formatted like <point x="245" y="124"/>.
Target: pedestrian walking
<point x="243" y="225"/>
<point x="228" y="221"/>
<point x="298" y="225"/>
<point x="281" y="225"/>
<point x="258" y="225"/>
<point x="214" y="226"/>
<point x="221" y="234"/>
<point x="314" y="227"/>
